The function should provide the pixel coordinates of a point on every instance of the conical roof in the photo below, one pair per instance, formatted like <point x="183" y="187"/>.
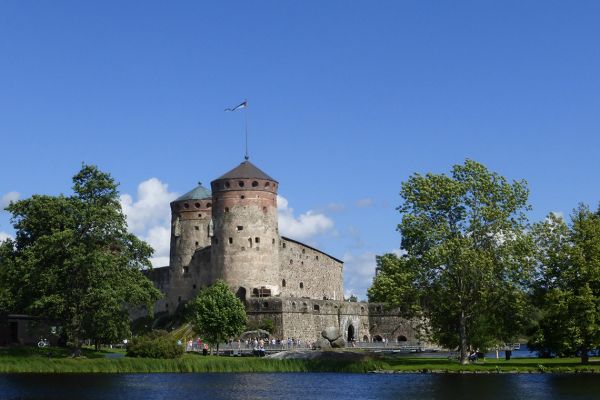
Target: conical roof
<point x="198" y="193"/>
<point x="246" y="170"/>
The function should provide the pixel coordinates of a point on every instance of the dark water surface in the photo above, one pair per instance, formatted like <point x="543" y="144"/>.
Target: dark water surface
<point x="297" y="386"/>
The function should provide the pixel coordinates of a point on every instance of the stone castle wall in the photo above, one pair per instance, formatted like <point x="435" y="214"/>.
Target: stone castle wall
<point x="245" y="250"/>
<point x="307" y="272"/>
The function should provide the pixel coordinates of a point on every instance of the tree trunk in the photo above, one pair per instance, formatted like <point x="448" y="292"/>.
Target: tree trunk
<point x="96" y="344"/>
<point x="462" y="335"/>
<point x="585" y="357"/>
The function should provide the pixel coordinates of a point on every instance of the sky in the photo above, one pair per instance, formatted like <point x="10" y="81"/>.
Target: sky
<point x="347" y="99"/>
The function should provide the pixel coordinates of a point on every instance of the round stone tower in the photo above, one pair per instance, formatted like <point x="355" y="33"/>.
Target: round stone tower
<point x="245" y="245"/>
<point x="190" y="227"/>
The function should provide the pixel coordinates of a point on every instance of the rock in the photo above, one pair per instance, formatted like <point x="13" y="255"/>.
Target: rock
<point x="331" y="333"/>
<point x="338" y="343"/>
<point x="322" y="344"/>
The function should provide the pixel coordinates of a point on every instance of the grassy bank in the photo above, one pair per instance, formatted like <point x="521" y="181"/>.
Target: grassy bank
<point x="37" y="361"/>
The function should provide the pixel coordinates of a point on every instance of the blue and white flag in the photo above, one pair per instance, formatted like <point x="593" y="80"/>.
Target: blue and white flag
<point x="238" y="107"/>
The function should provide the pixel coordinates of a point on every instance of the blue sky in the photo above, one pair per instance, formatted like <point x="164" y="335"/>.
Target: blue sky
<point x="347" y="99"/>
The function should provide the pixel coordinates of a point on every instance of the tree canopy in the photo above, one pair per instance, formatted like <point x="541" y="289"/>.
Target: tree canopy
<point x="74" y="262"/>
<point x="567" y="283"/>
<point x="217" y="314"/>
<point x="466" y="262"/>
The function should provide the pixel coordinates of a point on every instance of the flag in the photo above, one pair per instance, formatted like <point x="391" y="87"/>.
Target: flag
<point x="238" y="107"/>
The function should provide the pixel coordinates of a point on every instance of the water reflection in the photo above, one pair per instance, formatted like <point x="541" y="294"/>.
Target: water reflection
<point x="296" y="386"/>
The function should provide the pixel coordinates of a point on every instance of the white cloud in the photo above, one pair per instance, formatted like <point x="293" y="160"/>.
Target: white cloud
<point x="7" y="198"/>
<point x="362" y="203"/>
<point x="4" y="236"/>
<point x="304" y="226"/>
<point x="359" y="270"/>
<point x="149" y="217"/>
<point x="335" y="207"/>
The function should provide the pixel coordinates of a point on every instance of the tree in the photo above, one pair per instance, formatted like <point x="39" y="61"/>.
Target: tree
<point x="74" y="262"/>
<point x="567" y="284"/>
<point x="217" y="314"/>
<point x="466" y="264"/>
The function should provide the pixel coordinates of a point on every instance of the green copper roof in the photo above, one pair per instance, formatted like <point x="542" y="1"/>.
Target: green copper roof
<point x="198" y="193"/>
<point x="246" y="170"/>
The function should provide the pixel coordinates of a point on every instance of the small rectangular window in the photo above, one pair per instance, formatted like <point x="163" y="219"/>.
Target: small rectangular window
<point x="240" y="228"/>
<point x="257" y="240"/>
<point x="197" y="228"/>
<point x="230" y="240"/>
<point x="186" y="270"/>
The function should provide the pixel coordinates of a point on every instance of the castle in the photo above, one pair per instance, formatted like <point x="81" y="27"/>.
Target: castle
<point x="231" y="233"/>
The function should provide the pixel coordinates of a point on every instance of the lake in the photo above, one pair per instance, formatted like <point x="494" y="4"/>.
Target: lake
<point x="297" y="386"/>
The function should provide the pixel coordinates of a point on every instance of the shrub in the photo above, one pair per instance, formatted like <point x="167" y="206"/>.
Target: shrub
<point x="156" y="344"/>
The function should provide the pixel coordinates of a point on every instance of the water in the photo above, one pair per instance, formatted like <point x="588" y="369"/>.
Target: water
<point x="297" y="386"/>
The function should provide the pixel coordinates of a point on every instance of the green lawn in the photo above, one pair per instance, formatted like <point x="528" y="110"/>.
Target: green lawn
<point x="33" y="360"/>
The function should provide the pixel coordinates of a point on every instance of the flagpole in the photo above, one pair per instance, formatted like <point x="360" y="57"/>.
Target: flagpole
<point x="246" y="157"/>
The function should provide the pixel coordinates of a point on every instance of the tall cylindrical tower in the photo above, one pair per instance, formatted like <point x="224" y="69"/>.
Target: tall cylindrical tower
<point x="190" y="227"/>
<point x="245" y="251"/>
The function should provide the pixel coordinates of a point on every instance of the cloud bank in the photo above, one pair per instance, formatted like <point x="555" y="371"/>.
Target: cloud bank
<point x="305" y="225"/>
<point x="149" y="217"/>
<point x="7" y="198"/>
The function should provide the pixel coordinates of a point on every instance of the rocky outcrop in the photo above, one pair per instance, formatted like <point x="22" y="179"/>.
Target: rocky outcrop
<point x="333" y="337"/>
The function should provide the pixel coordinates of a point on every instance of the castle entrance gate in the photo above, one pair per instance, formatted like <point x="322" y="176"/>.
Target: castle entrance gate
<point x="350" y="333"/>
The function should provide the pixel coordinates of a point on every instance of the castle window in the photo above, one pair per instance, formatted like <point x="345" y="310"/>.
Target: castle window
<point x="250" y="242"/>
<point x="283" y="283"/>
<point x="186" y="205"/>
<point x="197" y="227"/>
<point x="197" y="244"/>
<point x="208" y="205"/>
<point x="240" y="228"/>
<point x="254" y="184"/>
<point x="301" y="262"/>
<point x="316" y="257"/>
<point x="291" y="262"/>
<point x="186" y="270"/>
<point x="273" y="242"/>
<point x="257" y="240"/>
<point x="226" y="209"/>
<point x="267" y="184"/>
<point x="264" y="209"/>
<point x="227" y="184"/>
<point x="301" y="285"/>
<point x="362" y="309"/>
<point x="255" y="292"/>
<point x="230" y="240"/>
<point x="316" y="307"/>
<point x="303" y="251"/>
<point x="284" y="245"/>
<point x="194" y="286"/>
<point x="197" y="205"/>
<point x="199" y="215"/>
<point x="242" y="197"/>
<point x="293" y="305"/>
<point x="241" y="183"/>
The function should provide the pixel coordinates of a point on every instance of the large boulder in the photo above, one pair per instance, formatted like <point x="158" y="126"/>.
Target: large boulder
<point x="331" y="333"/>
<point x="322" y="344"/>
<point x="338" y="343"/>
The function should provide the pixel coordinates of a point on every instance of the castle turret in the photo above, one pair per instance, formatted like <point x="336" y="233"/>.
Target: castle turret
<point x="245" y="245"/>
<point x="190" y="227"/>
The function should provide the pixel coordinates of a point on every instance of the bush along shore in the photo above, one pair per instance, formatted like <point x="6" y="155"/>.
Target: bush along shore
<point x="22" y="360"/>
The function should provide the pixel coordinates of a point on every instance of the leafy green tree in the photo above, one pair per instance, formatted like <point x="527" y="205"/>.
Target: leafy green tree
<point x="217" y="314"/>
<point x="467" y="260"/>
<point x="73" y="260"/>
<point x="567" y="284"/>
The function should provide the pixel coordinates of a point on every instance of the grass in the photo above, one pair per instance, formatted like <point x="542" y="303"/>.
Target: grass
<point x="33" y="360"/>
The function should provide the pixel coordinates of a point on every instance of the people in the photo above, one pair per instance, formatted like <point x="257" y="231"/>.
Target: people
<point x="205" y="349"/>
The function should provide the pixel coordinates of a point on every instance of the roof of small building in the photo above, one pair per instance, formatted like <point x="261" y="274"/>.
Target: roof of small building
<point x="246" y="170"/>
<point x="198" y="193"/>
